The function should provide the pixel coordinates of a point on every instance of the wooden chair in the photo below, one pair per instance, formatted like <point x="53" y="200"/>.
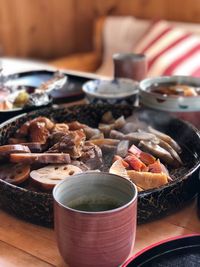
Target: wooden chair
<point x="88" y="61"/>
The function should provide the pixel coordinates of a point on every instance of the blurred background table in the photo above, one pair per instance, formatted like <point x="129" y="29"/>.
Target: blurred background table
<point x="24" y="244"/>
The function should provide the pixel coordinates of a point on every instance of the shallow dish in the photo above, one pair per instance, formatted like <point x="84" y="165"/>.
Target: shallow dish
<point x="37" y="207"/>
<point x="117" y="91"/>
<point x="71" y="91"/>
<point x="184" y="107"/>
<point x="27" y="83"/>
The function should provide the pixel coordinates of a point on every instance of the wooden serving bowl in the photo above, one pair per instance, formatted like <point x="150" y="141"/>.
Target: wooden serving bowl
<point x="37" y="207"/>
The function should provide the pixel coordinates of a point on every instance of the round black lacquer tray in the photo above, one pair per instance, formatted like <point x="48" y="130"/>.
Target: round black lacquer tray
<point x="37" y="207"/>
<point x="182" y="251"/>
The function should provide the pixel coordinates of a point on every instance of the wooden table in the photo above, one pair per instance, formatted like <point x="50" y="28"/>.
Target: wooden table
<point x="23" y="244"/>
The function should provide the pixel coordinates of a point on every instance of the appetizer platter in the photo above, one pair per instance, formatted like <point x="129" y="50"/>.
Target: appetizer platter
<point x="160" y="154"/>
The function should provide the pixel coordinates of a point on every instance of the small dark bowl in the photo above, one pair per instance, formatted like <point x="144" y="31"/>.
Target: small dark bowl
<point x="37" y="207"/>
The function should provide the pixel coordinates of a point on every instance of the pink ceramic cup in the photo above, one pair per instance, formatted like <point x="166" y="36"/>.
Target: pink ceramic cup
<point x="95" y="238"/>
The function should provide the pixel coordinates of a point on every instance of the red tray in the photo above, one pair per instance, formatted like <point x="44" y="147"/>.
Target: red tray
<point x="181" y="251"/>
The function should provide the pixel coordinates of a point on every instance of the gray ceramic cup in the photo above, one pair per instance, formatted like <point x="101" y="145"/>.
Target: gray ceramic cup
<point x="130" y="65"/>
<point x="102" y="237"/>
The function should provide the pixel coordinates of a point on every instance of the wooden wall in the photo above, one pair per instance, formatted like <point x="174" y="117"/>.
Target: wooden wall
<point x="54" y="28"/>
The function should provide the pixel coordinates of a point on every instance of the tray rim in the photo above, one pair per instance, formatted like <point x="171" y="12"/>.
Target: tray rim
<point x="157" y="244"/>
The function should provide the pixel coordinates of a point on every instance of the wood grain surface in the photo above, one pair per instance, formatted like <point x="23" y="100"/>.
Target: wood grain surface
<point x="24" y="244"/>
<point x="48" y="29"/>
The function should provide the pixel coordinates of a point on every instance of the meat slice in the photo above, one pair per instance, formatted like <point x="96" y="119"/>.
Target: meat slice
<point x="60" y="127"/>
<point x="47" y="123"/>
<point x="23" y="130"/>
<point x="55" y="137"/>
<point x="40" y="158"/>
<point x="38" y="132"/>
<point x="37" y="129"/>
<point x="92" y="156"/>
<point x="71" y="143"/>
<point x="76" y="125"/>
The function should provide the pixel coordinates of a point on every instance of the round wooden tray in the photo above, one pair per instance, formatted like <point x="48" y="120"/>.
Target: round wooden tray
<point x="37" y="207"/>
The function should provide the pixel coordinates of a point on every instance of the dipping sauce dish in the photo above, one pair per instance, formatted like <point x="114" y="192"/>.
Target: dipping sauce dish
<point x="117" y="91"/>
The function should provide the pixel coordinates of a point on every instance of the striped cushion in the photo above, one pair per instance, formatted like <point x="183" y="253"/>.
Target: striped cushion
<point x="170" y="50"/>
